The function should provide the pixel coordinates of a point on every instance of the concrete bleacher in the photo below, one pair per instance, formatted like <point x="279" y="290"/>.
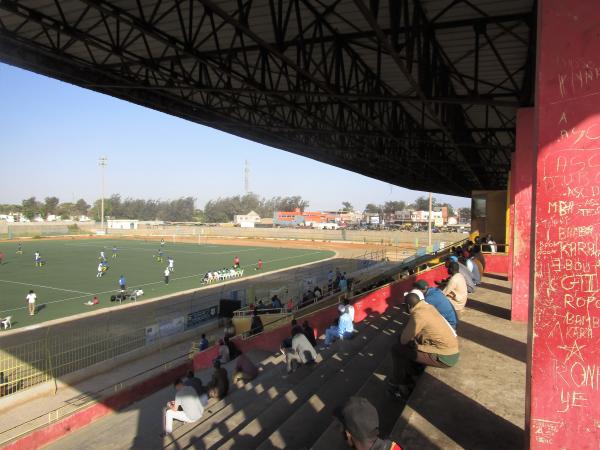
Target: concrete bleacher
<point x="273" y="411"/>
<point x="477" y="404"/>
<point x="481" y="402"/>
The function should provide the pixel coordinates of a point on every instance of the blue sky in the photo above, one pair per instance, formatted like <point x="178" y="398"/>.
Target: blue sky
<point x="52" y="133"/>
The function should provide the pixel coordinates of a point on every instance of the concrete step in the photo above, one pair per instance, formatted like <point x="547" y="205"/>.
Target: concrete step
<point x="139" y="425"/>
<point x="316" y="412"/>
<point x="375" y="390"/>
<point x="260" y="427"/>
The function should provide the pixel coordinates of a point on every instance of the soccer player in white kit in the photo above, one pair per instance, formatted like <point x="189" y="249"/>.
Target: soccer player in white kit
<point x="31" y="298"/>
<point x="171" y="264"/>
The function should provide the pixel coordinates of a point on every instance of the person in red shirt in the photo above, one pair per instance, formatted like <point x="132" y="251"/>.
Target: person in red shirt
<point x="236" y="262"/>
<point x="1" y="257"/>
<point x="259" y="266"/>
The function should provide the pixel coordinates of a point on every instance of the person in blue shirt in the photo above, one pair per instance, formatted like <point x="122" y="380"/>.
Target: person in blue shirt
<point x="122" y="283"/>
<point x="439" y="301"/>
<point x="343" y="330"/>
<point x="203" y="342"/>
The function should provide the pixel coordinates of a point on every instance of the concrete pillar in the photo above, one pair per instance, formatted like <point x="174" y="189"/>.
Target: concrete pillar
<point x="510" y="219"/>
<point x="563" y="392"/>
<point x="522" y="180"/>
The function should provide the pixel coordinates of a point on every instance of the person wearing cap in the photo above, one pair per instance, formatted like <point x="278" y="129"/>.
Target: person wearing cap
<point x="438" y="300"/>
<point x="427" y="340"/>
<point x="456" y="288"/>
<point x="464" y="270"/>
<point x="360" y="423"/>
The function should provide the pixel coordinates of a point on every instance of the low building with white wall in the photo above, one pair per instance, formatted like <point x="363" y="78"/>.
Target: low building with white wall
<point x="122" y="224"/>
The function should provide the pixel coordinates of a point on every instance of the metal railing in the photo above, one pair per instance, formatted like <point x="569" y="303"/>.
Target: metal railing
<point x="58" y="350"/>
<point x="84" y="400"/>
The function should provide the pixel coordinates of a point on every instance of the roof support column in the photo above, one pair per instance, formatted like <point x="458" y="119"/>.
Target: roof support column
<point x="522" y="181"/>
<point x="563" y="392"/>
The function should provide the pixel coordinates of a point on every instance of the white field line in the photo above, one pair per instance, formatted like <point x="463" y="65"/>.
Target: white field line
<point x="43" y="286"/>
<point x="140" y="285"/>
<point x="170" y="251"/>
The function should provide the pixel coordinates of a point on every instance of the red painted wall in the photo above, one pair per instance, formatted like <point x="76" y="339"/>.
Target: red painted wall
<point x="564" y="373"/>
<point x="523" y="181"/>
<point x="511" y="225"/>
<point x="377" y="301"/>
<point x="496" y="263"/>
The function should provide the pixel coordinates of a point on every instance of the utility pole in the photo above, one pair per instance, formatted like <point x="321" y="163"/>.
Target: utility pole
<point x="102" y="162"/>
<point x="429" y="223"/>
<point x="246" y="178"/>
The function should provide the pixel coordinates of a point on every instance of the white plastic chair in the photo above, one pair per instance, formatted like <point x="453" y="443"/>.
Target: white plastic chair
<point x="6" y="322"/>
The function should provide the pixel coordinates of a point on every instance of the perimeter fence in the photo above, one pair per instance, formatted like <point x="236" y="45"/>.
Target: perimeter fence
<point x="50" y="352"/>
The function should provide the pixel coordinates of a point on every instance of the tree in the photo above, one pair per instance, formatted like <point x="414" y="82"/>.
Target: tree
<point x="50" y="205"/>
<point x="393" y="206"/>
<point x="422" y="203"/>
<point x="347" y="207"/>
<point x="464" y="215"/>
<point x="31" y="207"/>
<point x="81" y="207"/>
<point x="372" y="208"/>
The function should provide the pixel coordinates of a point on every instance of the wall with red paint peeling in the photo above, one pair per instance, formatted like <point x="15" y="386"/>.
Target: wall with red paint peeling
<point x="564" y="330"/>
<point x="523" y="182"/>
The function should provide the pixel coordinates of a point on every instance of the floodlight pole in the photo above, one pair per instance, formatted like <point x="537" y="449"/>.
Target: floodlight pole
<point x="102" y="162"/>
<point x="429" y="223"/>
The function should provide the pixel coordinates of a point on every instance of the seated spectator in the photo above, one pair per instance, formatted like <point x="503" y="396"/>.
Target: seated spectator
<point x="479" y="257"/>
<point x="344" y="329"/>
<point x="256" y="326"/>
<point x="244" y="371"/>
<point x="309" y="332"/>
<point x="360" y="423"/>
<point x="456" y="289"/>
<point x="437" y="299"/>
<point x="301" y="351"/>
<point x="287" y="342"/>
<point x="229" y="330"/>
<point x="464" y="270"/>
<point x="349" y="308"/>
<point x="194" y="382"/>
<point x="491" y="244"/>
<point x="473" y="268"/>
<point x="317" y="292"/>
<point x="260" y="307"/>
<point x="427" y="340"/>
<point x="203" y="342"/>
<point x="224" y="356"/>
<point x="276" y="303"/>
<point x="191" y="404"/>
<point x="308" y="298"/>
<point x="233" y="350"/>
<point x="219" y="383"/>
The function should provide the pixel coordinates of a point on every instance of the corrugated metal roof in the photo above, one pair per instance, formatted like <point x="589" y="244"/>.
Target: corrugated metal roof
<point x="317" y="71"/>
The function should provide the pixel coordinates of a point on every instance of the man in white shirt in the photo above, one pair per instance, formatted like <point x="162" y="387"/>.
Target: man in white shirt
<point x="31" y="298"/>
<point x="171" y="264"/>
<point x="167" y="273"/>
<point x="349" y="309"/>
<point x="456" y="288"/>
<point x="99" y="274"/>
<point x="192" y="406"/>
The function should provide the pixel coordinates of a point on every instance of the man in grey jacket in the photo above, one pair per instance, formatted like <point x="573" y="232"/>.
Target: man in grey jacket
<point x="301" y="351"/>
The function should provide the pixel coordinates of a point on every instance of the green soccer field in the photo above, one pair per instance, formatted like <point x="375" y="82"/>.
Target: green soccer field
<point x="68" y="279"/>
